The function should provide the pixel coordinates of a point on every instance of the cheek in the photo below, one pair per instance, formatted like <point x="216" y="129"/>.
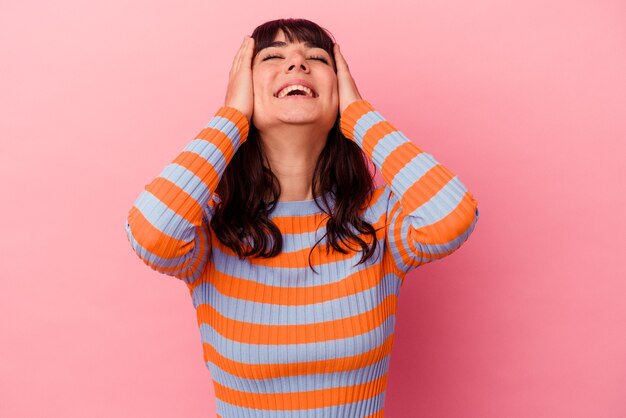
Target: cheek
<point x="261" y="85"/>
<point x="333" y="82"/>
<point x="333" y="87"/>
<point x="255" y="82"/>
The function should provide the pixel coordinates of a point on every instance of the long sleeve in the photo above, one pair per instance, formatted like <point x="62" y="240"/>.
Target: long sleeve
<point x="430" y="211"/>
<point x="167" y="225"/>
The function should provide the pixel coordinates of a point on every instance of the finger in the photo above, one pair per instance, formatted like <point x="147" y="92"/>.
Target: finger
<point x="242" y="51"/>
<point x="246" y="53"/>
<point x="339" y="59"/>
<point x="247" y="56"/>
<point x="237" y="59"/>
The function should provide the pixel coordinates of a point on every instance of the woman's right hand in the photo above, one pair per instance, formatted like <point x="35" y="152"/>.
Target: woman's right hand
<point x="239" y="93"/>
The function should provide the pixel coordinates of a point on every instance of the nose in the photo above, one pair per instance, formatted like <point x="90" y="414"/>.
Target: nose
<point x="297" y="61"/>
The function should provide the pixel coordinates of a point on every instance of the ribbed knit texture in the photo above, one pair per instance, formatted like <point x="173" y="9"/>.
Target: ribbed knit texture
<point x="278" y="339"/>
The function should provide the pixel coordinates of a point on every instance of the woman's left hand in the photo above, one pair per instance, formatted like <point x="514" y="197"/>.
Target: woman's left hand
<point x="346" y="86"/>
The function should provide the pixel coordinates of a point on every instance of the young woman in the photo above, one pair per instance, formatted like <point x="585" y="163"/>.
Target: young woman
<point x="293" y="257"/>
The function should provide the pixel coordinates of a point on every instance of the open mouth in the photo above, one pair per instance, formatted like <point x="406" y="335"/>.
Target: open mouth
<point x="296" y="90"/>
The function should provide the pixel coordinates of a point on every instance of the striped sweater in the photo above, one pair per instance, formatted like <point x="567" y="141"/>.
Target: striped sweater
<point x="280" y="340"/>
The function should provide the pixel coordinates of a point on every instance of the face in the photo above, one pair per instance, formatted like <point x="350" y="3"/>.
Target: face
<point x="274" y="66"/>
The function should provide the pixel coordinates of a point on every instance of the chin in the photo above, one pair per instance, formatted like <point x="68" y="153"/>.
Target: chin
<point x="297" y="116"/>
<point x="294" y="115"/>
<point x="291" y="113"/>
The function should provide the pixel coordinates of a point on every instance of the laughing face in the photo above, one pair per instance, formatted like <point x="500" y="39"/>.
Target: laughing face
<point x="294" y="83"/>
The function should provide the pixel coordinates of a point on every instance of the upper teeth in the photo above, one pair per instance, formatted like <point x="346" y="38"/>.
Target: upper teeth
<point x="288" y="89"/>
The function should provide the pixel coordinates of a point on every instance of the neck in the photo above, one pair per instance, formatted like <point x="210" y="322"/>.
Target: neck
<point x="292" y="151"/>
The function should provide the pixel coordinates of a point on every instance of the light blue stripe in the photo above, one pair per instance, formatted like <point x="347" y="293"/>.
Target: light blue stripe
<point x="356" y="409"/>
<point x="306" y="240"/>
<point x="209" y="152"/>
<point x="295" y="353"/>
<point x="388" y="143"/>
<point x="301" y="383"/>
<point x="208" y="210"/>
<point x="437" y="249"/>
<point x="397" y="247"/>
<point x="163" y="218"/>
<point x="412" y="172"/>
<point x="227" y="127"/>
<point x="273" y="314"/>
<point x="373" y="213"/>
<point x="188" y="181"/>
<point x="444" y="202"/>
<point x="431" y="249"/>
<point x="364" y="123"/>
<point x="289" y="277"/>
<point x="161" y="264"/>
<point x="304" y="208"/>
<point x="299" y="208"/>
<point x="302" y="276"/>
<point x="143" y="253"/>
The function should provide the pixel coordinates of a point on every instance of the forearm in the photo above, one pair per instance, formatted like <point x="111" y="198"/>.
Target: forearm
<point x="163" y="223"/>
<point x="440" y="206"/>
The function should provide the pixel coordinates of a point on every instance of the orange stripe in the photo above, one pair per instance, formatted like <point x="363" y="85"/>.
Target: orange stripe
<point x="352" y="114"/>
<point x="176" y="199"/>
<point x="378" y="193"/>
<point x="268" y="371"/>
<point x="145" y="233"/>
<point x="203" y="242"/>
<point x="237" y="117"/>
<point x="390" y="266"/>
<point x="380" y="129"/>
<point x="220" y="140"/>
<point x="142" y="228"/>
<point x="300" y="224"/>
<point x="397" y="159"/>
<point x="427" y="186"/>
<point x="437" y="233"/>
<point x="450" y="226"/>
<point x="310" y="223"/>
<point x="252" y="291"/>
<point x="249" y="333"/>
<point x="379" y="414"/>
<point x="406" y="254"/>
<point x="198" y="165"/>
<point x="300" y="258"/>
<point x="300" y="400"/>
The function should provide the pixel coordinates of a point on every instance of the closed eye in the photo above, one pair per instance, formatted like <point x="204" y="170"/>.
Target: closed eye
<point x="321" y="59"/>
<point x="324" y="60"/>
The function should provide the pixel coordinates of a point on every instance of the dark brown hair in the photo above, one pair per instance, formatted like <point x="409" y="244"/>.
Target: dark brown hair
<point x="241" y="220"/>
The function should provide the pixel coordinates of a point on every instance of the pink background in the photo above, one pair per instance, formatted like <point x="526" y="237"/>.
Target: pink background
<point x="524" y="100"/>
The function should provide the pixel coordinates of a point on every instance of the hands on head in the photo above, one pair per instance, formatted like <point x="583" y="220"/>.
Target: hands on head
<point x="240" y="93"/>
<point x="346" y="86"/>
